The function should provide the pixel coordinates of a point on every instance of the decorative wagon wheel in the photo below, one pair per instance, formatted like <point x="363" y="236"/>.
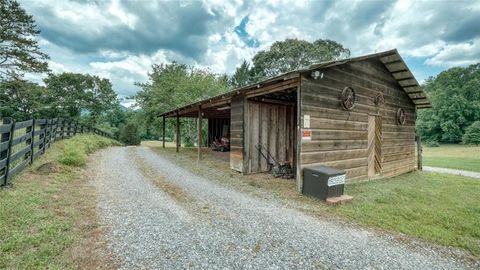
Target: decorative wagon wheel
<point x="379" y="100"/>
<point x="348" y="98"/>
<point x="401" y="116"/>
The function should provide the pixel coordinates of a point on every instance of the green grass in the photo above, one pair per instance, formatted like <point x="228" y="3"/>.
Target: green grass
<point x="453" y="156"/>
<point x="41" y="213"/>
<point x="437" y="207"/>
<point x="77" y="149"/>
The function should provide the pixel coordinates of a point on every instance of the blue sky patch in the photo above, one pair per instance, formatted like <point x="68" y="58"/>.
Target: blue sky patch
<point x="243" y="34"/>
<point x="420" y="70"/>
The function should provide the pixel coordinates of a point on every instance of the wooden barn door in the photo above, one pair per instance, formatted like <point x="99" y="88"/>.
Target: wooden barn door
<point x="272" y="128"/>
<point x="374" y="145"/>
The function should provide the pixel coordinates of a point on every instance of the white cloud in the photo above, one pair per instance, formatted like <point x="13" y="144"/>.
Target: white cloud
<point x="117" y="11"/>
<point x="121" y="40"/>
<point x="457" y="55"/>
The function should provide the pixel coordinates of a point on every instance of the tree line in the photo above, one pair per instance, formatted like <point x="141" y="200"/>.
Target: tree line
<point x="85" y="98"/>
<point x="90" y="99"/>
<point x="455" y="113"/>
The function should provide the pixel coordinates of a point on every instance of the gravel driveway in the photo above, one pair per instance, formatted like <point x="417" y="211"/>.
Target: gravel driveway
<point x="452" y="171"/>
<point x="214" y="227"/>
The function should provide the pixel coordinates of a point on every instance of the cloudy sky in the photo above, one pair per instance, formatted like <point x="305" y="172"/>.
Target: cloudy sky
<point x="120" y="40"/>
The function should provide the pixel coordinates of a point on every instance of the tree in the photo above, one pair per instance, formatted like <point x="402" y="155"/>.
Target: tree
<point x="23" y="100"/>
<point x="173" y="85"/>
<point x="73" y="94"/>
<point x="472" y="134"/>
<point x="455" y="103"/>
<point x="129" y="135"/>
<point x="243" y="75"/>
<point x="293" y="54"/>
<point x="19" y="51"/>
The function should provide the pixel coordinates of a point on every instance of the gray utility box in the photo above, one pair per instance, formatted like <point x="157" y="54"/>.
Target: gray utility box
<point x="323" y="182"/>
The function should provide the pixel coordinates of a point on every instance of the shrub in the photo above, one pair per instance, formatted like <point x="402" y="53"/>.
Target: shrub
<point x="76" y="149"/>
<point x="472" y="134"/>
<point x="129" y="135"/>
<point x="432" y="143"/>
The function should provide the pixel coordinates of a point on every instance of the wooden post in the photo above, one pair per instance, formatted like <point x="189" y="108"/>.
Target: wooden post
<point x="163" y="132"/>
<point x="298" y="161"/>
<point x="32" y="141"/>
<point x="419" y="153"/>
<point x="199" y="125"/>
<point x="177" y="133"/>
<point x="6" y="153"/>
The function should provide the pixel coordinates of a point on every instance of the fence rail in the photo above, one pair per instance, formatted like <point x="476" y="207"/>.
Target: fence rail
<point x="22" y="142"/>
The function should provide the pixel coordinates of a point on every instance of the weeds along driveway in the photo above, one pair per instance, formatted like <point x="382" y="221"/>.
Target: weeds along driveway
<point x="162" y="216"/>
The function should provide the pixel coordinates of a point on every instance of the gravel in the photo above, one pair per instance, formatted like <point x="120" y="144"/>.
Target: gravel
<point x="452" y="171"/>
<point x="220" y="228"/>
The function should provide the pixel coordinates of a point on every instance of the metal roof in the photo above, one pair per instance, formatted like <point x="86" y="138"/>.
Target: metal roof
<point x="391" y="59"/>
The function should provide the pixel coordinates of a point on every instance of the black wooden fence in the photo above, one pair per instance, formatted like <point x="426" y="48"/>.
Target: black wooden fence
<point x="23" y="142"/>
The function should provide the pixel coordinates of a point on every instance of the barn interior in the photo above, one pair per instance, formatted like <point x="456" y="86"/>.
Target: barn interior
<point x="266" y="134"/>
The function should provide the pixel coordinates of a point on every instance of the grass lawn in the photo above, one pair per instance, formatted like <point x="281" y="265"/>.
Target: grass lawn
<point x="48" y="218"/>
<point x="441" y="208"/>
<point x="453" y="156"/>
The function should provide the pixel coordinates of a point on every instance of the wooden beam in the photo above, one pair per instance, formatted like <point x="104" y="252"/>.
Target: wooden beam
<point x="163" y="131"/>
<point x="178" y="134"/>
<point x="419" y="153"/>
<point x="199" y="146"/>
<point x="292" y="83"/>
<point x="390" y="59"/>
<point x="298" y="150"/>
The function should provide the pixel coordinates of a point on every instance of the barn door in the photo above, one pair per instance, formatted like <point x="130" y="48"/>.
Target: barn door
<point x="374" y="145"/>
<point x="270" y="128"/>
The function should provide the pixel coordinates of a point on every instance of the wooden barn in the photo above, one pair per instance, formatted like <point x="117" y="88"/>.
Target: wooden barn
<point x="355" y="114"/>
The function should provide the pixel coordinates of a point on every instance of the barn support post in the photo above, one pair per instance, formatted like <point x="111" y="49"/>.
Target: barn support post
<point x="199" y="125"/>
<point x="177" y="133"/>
<point x="419" y="153"/>
<point x="298" y="161"/>
<point x="163" y="131"/>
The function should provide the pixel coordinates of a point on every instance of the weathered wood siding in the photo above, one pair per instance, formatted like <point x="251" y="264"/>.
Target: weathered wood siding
<point x="340" y="137"/>
<point x="273" y="127"/>
<point x="236" y="132"/>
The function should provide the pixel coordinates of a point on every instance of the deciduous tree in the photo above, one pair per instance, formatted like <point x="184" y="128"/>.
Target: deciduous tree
<point x="472" y="134"/>
<point x="455" y="99"/>
<point x="74" y="93"/>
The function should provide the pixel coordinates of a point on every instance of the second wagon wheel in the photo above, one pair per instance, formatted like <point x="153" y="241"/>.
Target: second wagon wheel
<point x="401" y="116"/>
<point x="348" y="98"/>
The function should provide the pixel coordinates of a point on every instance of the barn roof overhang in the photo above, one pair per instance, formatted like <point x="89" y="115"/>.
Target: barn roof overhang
<point x="399" y="70"/>
<point x="219" y="106"/>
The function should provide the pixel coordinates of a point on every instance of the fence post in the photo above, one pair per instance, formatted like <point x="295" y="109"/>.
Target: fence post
<point x="32" y="141"/>
<point x="52" y="131"/>
<point x="8" y="138"/>
<point x="43" y="137"/>
<point x="48" y="132"/>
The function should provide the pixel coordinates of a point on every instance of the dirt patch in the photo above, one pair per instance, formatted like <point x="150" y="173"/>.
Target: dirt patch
<point x="90" y="251"/>
<point x="47" y="168"/>
<point x="175" y="191"/>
